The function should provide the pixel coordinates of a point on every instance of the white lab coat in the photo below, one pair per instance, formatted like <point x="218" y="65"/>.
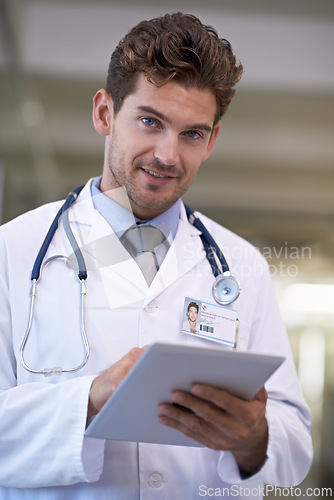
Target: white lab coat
<point x="43" y="450"/>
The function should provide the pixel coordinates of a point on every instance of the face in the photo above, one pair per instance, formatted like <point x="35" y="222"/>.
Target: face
<point x="156" y="142"/>
<point x="192" y="313"/>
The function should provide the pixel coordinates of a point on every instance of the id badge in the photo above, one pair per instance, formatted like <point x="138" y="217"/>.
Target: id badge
<point x="210" y="321"/>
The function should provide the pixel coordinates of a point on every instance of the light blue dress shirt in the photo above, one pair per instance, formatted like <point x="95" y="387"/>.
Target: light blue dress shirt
<point x="120" y="219"/>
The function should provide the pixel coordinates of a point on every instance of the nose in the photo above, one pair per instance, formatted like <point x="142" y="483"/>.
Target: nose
<point x="167" y="149"/>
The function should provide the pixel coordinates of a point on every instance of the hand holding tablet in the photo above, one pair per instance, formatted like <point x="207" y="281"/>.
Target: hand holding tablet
<point x="131" y="413"/>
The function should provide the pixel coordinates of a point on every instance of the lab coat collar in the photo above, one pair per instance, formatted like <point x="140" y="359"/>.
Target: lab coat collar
<point x="82" y="211"/>
<point x="185" y="252"/>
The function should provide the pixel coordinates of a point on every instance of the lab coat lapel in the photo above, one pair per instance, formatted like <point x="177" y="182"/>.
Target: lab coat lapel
<point x="185" y="253"/>
<point x="118" y="269"/>
<point x="115" y="263"/>
<point x="104" y="252"/>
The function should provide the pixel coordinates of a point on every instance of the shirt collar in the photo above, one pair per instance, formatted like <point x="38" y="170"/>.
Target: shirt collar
<point x="120" y="219"/>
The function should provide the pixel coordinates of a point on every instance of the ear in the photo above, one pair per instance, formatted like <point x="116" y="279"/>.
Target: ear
<point x="102" y="112"/>
<point x="212" y="141"/>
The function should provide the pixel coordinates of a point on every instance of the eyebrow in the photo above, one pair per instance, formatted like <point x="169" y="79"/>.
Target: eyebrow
<point x="161" y="116"/>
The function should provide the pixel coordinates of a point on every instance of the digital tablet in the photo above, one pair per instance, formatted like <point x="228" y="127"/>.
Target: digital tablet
<point x="131" y="413"/>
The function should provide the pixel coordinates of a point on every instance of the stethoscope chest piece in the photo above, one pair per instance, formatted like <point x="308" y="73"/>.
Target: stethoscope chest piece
<point x="226" y="289"/>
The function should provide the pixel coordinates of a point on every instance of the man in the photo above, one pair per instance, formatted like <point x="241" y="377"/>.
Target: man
<point x="192" y="314"/>
<point x="169" y="82"/>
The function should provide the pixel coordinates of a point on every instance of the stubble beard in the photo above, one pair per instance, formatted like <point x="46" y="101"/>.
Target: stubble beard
<point x="131" y="189"/>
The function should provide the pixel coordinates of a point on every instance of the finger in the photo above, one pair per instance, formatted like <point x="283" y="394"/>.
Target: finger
<point x="187" y="431"/>
<point x="220" y="398"/>
<point x="233" y="405"/>
<point x="229" y="427"/>
<point x="117" y="372"/>
<point x="261" y="395"/>
<point x="135" y="353"/>
<point x="202" y="408"/>
<point x="235" y="426"/>
<point x="108" y="381"/>
<point x="195" y="423"/>
<point x="124" y="365"/>
<point x="195" y="427"/>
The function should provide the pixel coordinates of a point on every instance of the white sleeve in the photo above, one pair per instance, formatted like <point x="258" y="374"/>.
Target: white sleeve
<point x="42" y="424"/>
<point x="289" y="452"/>
<point x="42" y="435"/>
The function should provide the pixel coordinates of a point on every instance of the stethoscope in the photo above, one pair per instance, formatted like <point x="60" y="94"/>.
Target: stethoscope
<point x="225" y="289"/>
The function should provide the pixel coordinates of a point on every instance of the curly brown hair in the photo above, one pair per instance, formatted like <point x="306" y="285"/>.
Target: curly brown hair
<point x="174" y="47"/>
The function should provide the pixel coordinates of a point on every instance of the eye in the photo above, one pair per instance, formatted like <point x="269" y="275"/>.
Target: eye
<point x="193" y="134"/>
<point x="150" y="122"/>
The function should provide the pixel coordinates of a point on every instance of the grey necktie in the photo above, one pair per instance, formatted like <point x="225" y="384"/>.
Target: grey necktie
<point x="142" y="242"/>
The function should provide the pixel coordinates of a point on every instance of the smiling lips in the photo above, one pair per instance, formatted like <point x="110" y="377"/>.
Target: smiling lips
<point x="155" y="174"/>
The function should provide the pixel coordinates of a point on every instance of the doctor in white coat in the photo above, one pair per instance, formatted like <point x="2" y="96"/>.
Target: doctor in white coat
<point x="159" y="127"/>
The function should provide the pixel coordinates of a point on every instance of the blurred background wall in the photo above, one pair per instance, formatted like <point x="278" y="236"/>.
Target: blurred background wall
<point x="270" y="178"/>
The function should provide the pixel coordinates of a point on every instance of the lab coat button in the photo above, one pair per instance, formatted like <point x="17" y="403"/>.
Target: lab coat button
<point x="155" y="480"/>
<point x="151" y="307"/>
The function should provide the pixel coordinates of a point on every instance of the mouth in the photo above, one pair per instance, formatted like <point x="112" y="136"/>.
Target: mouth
<point x="156" y="174"/>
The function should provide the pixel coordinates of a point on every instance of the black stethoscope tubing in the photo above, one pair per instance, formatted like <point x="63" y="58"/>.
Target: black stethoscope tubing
<point x="82" y="273"/>
<point x="209" y="244"/>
